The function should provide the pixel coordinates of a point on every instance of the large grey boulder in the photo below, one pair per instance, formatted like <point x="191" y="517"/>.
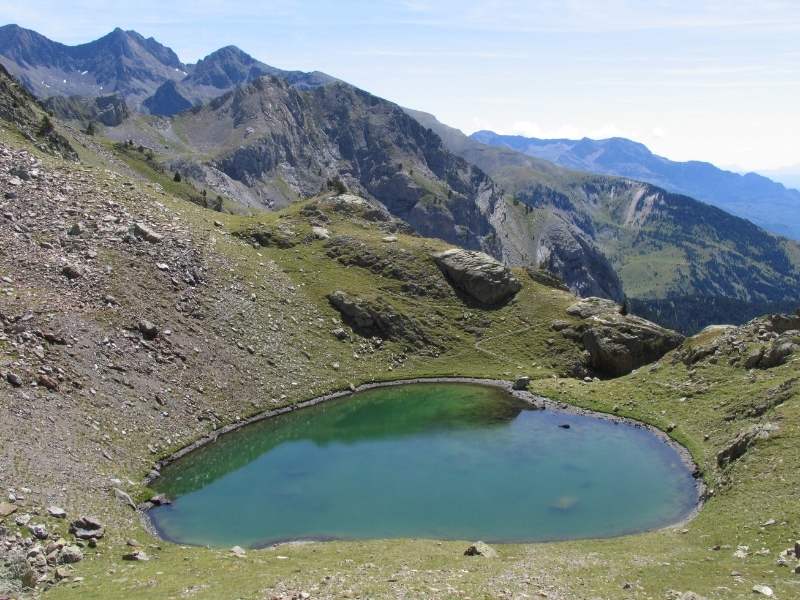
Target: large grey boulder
<point x="478" y="275"/>
<point x="617" y="344"/>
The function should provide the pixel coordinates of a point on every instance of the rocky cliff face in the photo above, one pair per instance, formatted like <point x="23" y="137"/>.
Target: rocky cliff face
<point x="281" y="143"/>
<point x="108" y="110"/>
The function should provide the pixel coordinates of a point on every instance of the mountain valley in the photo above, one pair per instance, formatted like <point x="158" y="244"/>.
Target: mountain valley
<point x="226" y="244"/>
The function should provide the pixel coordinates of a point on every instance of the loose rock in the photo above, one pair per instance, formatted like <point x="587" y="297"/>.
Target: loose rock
<point x="480" y="549"/>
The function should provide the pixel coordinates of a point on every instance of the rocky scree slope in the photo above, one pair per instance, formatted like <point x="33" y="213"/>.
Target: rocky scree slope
<point x="764" y="202"/>
<point x="666" y="248"/>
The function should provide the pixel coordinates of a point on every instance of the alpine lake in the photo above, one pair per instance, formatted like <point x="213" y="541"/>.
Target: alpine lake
<point x="425" y="460"/>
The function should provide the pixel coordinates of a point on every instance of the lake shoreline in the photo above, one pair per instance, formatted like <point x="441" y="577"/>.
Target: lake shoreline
<point x="535" y="401"/>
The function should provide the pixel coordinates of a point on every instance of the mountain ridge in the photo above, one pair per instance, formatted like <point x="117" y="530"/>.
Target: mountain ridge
<point x="749" y="195"/>
<point x="147" y="74"/>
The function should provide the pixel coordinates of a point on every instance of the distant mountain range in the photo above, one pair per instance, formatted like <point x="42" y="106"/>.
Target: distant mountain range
<point x="265" y="137"/>
<point x="147" y="74"/>
<point x="766" y="203"/>
<point x="788" y="176"/>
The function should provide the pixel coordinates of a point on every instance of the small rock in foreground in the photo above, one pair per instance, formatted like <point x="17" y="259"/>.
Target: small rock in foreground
<point x="87" y="528"/>
<point x="481" y="549"/>
<point x="764" y="590"/>
<point x="522" y="383"/>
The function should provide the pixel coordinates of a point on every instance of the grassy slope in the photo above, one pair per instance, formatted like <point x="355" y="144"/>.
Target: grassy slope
<point x="763" y="484"/>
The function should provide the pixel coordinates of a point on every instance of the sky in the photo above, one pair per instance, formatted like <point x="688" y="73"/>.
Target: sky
<point x="694" y="80"/>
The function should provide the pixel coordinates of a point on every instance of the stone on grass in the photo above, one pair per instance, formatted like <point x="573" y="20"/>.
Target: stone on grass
<point x="478" y="275"/>
<point x="57" y="512"/>
<point x="70" y="554"/>
<point x="38" y="531"/>
<point x="480" y="549"/>
<point x="124" y="498"/>
<point x="87" y="528"/>
<point x="764" y="590"/>
<point x="136" y="556"/>
<point x="7" y="509"/>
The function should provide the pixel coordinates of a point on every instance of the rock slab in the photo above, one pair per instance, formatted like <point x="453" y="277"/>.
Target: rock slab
<point x="478" y="275"/>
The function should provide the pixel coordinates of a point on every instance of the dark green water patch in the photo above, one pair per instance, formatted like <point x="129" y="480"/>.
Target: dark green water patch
<point x="444" y="460"/>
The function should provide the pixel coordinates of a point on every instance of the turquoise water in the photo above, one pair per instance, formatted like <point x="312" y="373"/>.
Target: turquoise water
<point x="447" y="461"/>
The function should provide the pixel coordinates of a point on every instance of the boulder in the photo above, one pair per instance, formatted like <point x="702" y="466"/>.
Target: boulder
<point x="72" y="271"/>
<point x="545" y="277"/>
<point x="356" y="206"/>
<point x="775" y="353"/>
<point x="87" y="528"/>
<point x="321" y="233"/>
<point x="617" y="344"/>
<point x="142" y="231"/>
<point x="7" y="509"/>
<point x="521" y="383"/>
<point x="70" y="554"/>
<point x="39" y="531"/>
<point x="480" y="549"/>
<point x="478" y="275"/>
<point x="57" y="512"/>
<point x="124" y="498"/>
<point x="148" y="329"/>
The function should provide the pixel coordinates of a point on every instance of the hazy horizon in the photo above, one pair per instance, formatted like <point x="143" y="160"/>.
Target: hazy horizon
<point x="708" y="82"/>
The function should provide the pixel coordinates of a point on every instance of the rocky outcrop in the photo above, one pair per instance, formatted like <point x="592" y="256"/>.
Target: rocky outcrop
<point x="23" y="113"/>
<point x="377" y="318"/>
<point x="108" y="110"/>
<point x="478" y="275"/>
<point x="576" y="259"/>
<point x="616" y="343"/>
<point x="775" y="353"/>
<point x="545" y="277"/>
<point x="737" y="447"/>
<point x="763" y="343"/>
